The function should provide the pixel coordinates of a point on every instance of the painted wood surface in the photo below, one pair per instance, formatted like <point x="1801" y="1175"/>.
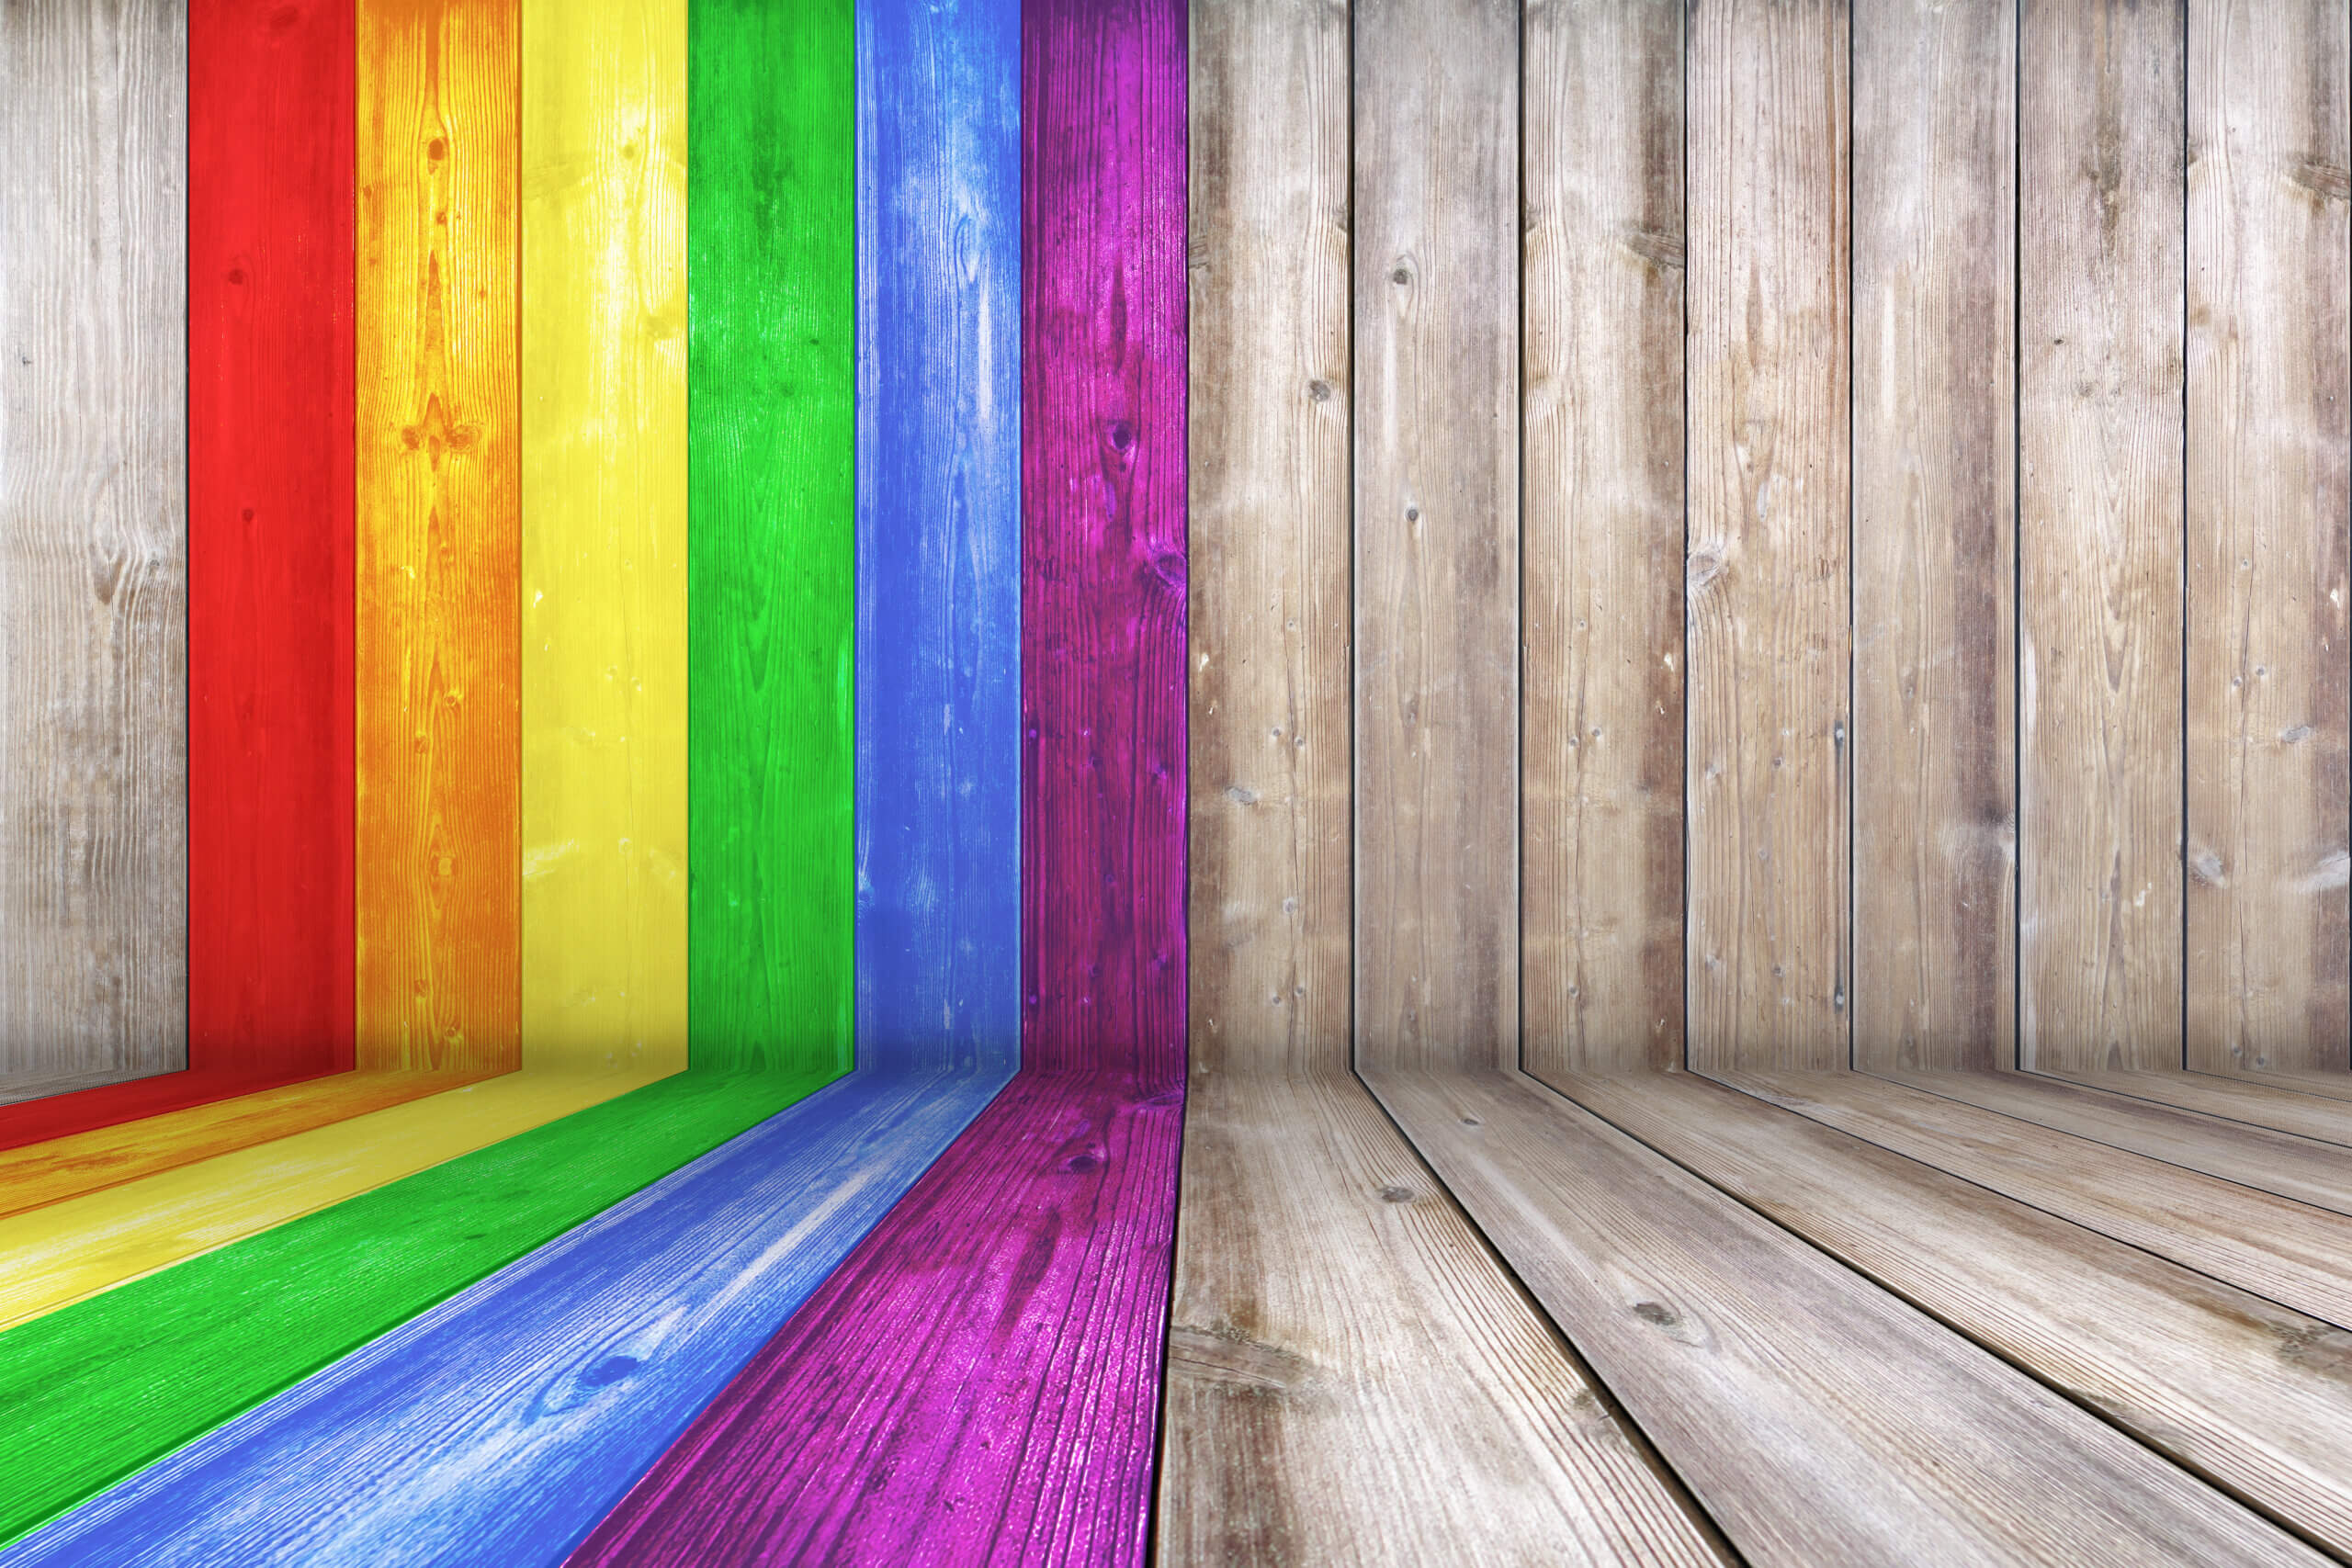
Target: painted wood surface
<point x="1269" y="403"/>
<point x="437" y="645"/>
<point x="1351" y="1376"/>
<point x="1103" y="488"/>
<point x="604" y="532"/>
<point x="1713" y="1325"/>
<point x="501" y="1424"/>
<point x="977" y="1382"/>
<point x="1934" y="548"/>
<point x="1436" y="559"/>
<point x="939" y="533"/>
<point x="1601" y="422"/>
<point x="2287" y="1251"/>
<point x="271" y="97"/>
<point x="2189" y="1366"/>
<point x="1769" y="572"/>
<point x="2099" y="207"/>
<point x="92" y="537"/>
<point x="2269" y="612"/>
<point x="771" y="238"/>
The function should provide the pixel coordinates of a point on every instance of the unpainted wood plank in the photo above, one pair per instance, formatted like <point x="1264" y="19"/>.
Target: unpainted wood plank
<point x="2236" y="1388"/>
<point x="2273" y="1246"/>
<point x="604" y="536"/>
<point x="1600" y="850"/>
<point x="1436" y="468"/>
<point x="1732" y="1344"/>
<point x="92" y="537"/>
<point x="1769" y="579"/>
<point x="2268" y="1100"/>
<point x="2308" y="1170"/>
<point x="2331" y="1085"/>
<point x="1269" y="405"/>
<point x="2269" y="486"/>
<point x="437" y="647"/>
<point x="22" y="1086"/>
<point x="1935" y="535"/>
<point x="1351" y="1377"/>
<point x="2099" y="532"/>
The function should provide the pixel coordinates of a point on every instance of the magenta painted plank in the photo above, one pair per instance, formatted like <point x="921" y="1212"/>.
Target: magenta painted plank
<point x="979" y="1382"/>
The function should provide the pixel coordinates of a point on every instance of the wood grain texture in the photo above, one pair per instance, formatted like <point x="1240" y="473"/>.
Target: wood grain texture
<point x="1270" y="397"/>
<point x="270" y="495"/>
<point x="1352" y="1377"/>
<point x="1770" y="579"/>
<point x="771" y="241"/>
<point x="2099" y="533"/>
<point x="2273" y="1246"/>
<point x="438" y="649"/>
<point x="2269" y="503"/>
<point x="1934" y="534"/>
<point x="501" y="1424"/>
<point x="1102" y="595"/>
<point x="1437" y="533"/>
<point x="939" y="533"/>
<point x="977" y="1382"/>
<point x="92" y="537"/>
<point x="1713" y="1325"/>
<point x="2238" y="1390"/>
<point x="604" y="536"/>
<point x="2328" y="1085"/>
<point x="1601" y="846"/>
<point x="2263" y="1104"/>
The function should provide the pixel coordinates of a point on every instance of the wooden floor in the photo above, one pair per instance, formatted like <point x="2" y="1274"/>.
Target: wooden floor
<point x="1777" y="1318"/>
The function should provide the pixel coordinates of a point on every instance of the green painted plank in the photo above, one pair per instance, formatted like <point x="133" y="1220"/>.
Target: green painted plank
<point x="772" y="480"/>
<point x="93" y="1390"/>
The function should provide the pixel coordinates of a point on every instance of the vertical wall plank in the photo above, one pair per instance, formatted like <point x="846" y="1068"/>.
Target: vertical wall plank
<point x="1437" y="533"/>
<point x="773" y="480"/>
<point x="2267" y="447"/>
<point x="1602" y="834"/>
<point x="1103" y="537"/>
<point x="1767" y="584"/>
<point x="2099" y="533"/>
<point x="92" y="537"/>
<point x="270" y="741"/>
<point x="1935" y="537"/>
<point x="939" y="533"/>
<point x="604" y="489"/>
<point x="438" y="541"/>
<point x="1270" y="398"/>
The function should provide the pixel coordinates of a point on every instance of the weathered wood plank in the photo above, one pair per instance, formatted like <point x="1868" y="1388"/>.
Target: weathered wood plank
<point x="2239" y="1390"/>
<point x="1351" y="1377"/>
<point x="1270" y="400"/>
<point x="92" y="537"/>
<point x="2099" y="533"/>
<point x="1601" y="848"/>
<point x="2270" y="1103"/>
<point x="604" y="536"/>
<point x="1770" y="585"/>
<point x="1713" y="1324"/>
<point x="772" y="381"/>
<point x="939" y="533"/>
<point x="1934" y="534"/>
<point x="437" y="647"/>
<point x="1437" y="560"/>
<point x="2270" y="448"/>
<point x="2274" y="1247"/>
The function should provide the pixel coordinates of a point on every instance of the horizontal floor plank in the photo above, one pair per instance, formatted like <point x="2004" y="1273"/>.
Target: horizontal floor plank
<point x="2238" y="1097"/>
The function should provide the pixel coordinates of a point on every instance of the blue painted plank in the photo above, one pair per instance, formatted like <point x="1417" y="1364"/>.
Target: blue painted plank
<point x="939" y="531"/>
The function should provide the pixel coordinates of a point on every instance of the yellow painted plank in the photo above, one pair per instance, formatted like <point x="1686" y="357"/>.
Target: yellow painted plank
<point x="604" y="530"/>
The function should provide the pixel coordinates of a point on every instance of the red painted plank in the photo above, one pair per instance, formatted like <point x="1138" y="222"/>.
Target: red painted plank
<point x="270" y="748"/>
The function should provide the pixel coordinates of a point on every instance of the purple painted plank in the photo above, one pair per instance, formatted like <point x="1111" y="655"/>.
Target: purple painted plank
<point x="979" y="1382"/>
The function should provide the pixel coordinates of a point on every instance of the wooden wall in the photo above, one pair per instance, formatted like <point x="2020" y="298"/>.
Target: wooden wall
<point x="1774" y="536"/>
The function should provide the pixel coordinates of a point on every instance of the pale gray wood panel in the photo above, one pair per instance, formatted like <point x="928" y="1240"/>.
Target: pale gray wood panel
<point x="93" y="536"/>
<point x="1935" y="537"/>
<point x="1601" y="821"/>
<point x="1436" y="301"/>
